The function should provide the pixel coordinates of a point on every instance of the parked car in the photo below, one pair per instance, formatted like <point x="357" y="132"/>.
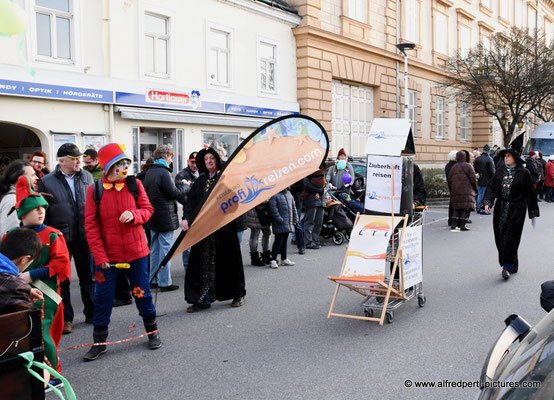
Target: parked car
<point x="524" y="369"/>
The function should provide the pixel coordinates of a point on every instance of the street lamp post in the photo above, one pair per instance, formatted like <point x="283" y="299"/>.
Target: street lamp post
<point x="402" y="47"/>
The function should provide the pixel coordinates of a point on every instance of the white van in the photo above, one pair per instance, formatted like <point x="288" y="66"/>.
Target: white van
<point x="542" y="139"/>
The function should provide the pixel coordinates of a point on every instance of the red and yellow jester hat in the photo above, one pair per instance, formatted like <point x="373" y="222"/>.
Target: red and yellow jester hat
<point x="110" y="154"/>
<point x="26" y="198"/>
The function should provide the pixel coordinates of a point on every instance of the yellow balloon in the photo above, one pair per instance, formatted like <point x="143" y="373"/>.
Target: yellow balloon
<point x="12" y="18"/>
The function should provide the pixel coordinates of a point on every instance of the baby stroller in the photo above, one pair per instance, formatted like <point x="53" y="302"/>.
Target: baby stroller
<point x="337" y="225"/>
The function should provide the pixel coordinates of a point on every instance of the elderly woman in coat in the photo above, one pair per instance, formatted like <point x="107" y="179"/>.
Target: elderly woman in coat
<point x="283" y="213"/>
<point x="462" y="183"/>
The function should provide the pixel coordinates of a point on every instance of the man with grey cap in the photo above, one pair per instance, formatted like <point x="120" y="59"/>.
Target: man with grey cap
<point x="68" y="185"/>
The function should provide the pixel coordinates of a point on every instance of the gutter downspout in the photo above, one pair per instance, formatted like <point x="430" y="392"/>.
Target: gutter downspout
<point x="108" y="64"/>
<point x="397" y="66"/>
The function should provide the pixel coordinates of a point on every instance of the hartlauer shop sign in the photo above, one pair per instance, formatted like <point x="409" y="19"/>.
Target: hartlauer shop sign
<point x="160" y="96"/>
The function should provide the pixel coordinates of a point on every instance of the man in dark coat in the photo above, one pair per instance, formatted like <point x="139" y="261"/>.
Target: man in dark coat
<point x="512" y="187"/>
<point x="462" y="185"/>
<point x="484" y="166"/>
<point x="215" y="270"/>
<point x="541" y="165"/>
<point x="162" y="194"/>
<point x="420" y="195"/>
<point x="68" y="185"/>
<point x="531" y="166"/>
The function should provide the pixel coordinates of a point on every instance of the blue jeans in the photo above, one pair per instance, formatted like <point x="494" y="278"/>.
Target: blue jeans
<point x="480" y="194"/>
<point x="548" y="193"/>
<point x="239" y="235"/>
<point x="186" y="255"/>
<point x="160" y="244"/>
<point x="105" y="291"/>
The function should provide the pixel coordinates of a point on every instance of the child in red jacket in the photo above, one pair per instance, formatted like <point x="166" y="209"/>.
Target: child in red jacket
<point x="116" y="239"/>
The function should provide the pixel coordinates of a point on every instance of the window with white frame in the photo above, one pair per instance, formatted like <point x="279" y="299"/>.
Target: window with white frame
<point x="547" y="31"/>
<point x="156" y="45"/>
<point x="464" y="121"/>
<point x="465" y="40"/>
<point x="439" y="117"/>
<point x="487" y="3"/>
<point x="54" y="29"/>
<point x="219" y="56"/>
<point x="486" y="40"/>
<point x="267" y="66"/>
<point x="411" y="20"/>
<point x="352" y="115"/>
<point x="356" y="10"/>
<point x="531" y="19"/>
<point x="441" y="33"/>
<point x="503" y="9"/>
<point x="518" y="13"/>
<point x="412" y="110"/>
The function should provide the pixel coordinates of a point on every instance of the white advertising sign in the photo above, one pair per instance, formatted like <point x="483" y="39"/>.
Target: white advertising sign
<point x="379" y="186"/>
<point x="388" y="136"/>
<point x="412" y="256"/>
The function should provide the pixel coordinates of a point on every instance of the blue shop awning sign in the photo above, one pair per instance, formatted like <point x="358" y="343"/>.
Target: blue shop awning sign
<point x="31" y="89"/>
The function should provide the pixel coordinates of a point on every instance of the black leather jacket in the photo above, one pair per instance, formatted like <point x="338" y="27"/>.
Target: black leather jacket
<point x="64" y="212"/>
<point x="162" y="194"/>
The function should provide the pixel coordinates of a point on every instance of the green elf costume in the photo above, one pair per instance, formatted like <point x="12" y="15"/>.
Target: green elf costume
<point x="53" y="267"/>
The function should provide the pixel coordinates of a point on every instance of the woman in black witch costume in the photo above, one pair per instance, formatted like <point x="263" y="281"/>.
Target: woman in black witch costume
<point x="512" y="187"/>
<point x="215" y="270"/>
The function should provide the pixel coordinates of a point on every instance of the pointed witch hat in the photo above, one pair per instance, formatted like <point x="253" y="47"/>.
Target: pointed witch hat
<point x="26" y="198"/>
<point x="514" y="149"/>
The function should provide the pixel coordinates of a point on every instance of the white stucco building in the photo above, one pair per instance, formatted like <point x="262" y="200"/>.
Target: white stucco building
<point x="144" y="73"/>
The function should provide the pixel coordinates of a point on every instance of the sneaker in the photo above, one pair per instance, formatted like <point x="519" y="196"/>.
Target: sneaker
<point x="238" y="302"/>
<point x="154" y="341"/>
<point x="121" y="302"/>
<point x="198" y="307"/>
<point x="67" y="328"/>
<point x="455" y="229"/>
<point x="95" y="352"/>
<point x="286" y="261"/>
<point x="57" y="383"/>
<point x="312" y="246"/>
<point x="169" y="288"/>
<point x="301" y="251"/>
<point x="273" y="264"/>
<point x="505" y="274"/>
<point x="464" y="229"/>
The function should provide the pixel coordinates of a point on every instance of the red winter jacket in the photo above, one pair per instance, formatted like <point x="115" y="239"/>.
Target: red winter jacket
<point x="549" y="174"/>
<point x="110" y="240"/>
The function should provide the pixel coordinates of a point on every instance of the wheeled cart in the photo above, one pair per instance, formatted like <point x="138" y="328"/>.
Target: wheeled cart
<point x="374" y="303"/>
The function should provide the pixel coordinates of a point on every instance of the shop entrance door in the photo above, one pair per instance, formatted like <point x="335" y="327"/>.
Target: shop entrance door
<point x="16" y="142"/>
<point x="151" y="138"/>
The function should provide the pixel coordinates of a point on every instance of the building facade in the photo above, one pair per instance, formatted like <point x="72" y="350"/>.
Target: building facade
<point x="350" y="71"/>
<point x="144" y="73"/>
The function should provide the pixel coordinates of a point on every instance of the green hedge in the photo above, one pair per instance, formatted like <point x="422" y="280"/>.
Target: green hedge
<point x="435" y="182"/>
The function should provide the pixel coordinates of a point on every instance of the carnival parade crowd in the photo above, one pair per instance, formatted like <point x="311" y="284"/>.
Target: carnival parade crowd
<point x="118" y="228"/>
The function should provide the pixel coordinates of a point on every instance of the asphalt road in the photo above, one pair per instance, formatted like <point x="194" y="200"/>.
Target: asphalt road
<point x="280" y="344"/>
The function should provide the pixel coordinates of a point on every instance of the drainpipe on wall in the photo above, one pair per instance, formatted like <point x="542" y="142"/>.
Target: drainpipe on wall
<point x="396" y="40"/>
<point x="108" y="64"/>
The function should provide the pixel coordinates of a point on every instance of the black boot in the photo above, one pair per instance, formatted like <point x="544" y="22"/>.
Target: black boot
<point x="255" y="259"/>
<point x="100" y="334"/>
<point x="154" y="340"/>
<point x="266" y="257"/>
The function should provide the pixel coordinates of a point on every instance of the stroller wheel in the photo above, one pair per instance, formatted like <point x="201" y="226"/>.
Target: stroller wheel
<point x="347" y="234"/>
<point x="338" y="238"/>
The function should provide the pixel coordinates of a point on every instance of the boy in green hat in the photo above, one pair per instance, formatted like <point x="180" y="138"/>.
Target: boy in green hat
<point x="45" y="273"/>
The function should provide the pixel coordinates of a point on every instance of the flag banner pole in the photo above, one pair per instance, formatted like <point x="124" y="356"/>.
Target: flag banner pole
<point x="273" y="157"/>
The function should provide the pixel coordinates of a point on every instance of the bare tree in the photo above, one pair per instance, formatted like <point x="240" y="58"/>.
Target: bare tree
<point x="508" y="81"/>
<point x="545" y="110"/>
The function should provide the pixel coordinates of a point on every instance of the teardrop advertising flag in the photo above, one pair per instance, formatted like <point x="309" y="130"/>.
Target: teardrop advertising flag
<point x="275" y="156"/>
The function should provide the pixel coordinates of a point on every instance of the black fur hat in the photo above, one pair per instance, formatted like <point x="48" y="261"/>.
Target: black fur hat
<point x="200" y="159"/>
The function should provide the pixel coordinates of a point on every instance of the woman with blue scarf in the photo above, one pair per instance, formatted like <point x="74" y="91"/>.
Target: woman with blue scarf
<point x="512" y="187"/>
<point x="163" y="194"/>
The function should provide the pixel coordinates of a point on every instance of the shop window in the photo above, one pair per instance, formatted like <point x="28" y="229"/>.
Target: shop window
<point x="267" y="66"/>
<point x="464" y="121"/>
<point x="352" y="115"/>
<point x="411" y="7"/>
<point x="441" y="33"/>
<point x="356" y="10"/>
<point x="156" y="45"/>
<point x="219" y="56"/>
<point x="439" y="117"/>
<point x="54" y="30"/>
<point x="224" y="143"/>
